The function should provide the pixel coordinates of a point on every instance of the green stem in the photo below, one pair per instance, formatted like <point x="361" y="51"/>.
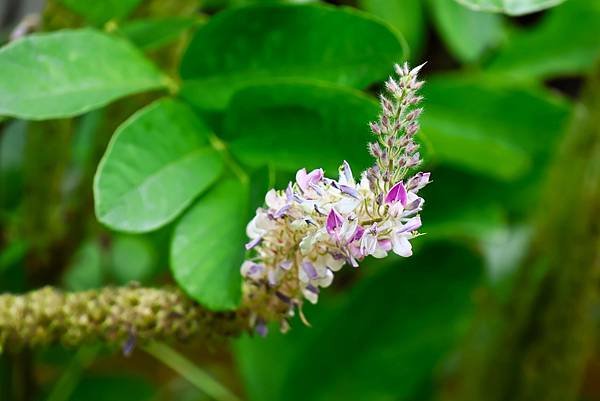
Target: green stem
<point x="191" y="372"/>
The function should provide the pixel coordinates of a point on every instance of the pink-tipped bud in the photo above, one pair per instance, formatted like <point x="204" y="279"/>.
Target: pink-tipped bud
<point x="412" y="129"/>
<point x="375" y="150"/>
<point x="413" y="115"/>
<point x="386" y="105"/>
<point x="375" y="128"/>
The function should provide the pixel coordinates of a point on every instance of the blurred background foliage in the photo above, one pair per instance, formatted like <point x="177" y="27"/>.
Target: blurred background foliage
<point x="282" y="88"/>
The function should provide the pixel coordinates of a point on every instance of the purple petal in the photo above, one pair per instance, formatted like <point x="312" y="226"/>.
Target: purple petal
<point x="397" y="193"/>
<point x="349" y="191"/>
<point x="411" y="225"/>
<point x="316" y="175"/>
<point x="286" y="264"/>
<point x="334" y="221"/>
<point x="310" y="270"/>
<point x="253" y="243"/>
<point x="261" y="328"/>
<point x="358" y="233"/>
<point x="385" y="244"/>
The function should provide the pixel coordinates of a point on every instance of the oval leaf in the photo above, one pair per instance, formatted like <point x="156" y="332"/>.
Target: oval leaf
<point x="264" y="42"/>
<point x="296" y="125"/>
<point x="208" y="248"/>
<point x="157" y="162"/>
<point x="510" y="7"/>
<point x="68" y="72"/>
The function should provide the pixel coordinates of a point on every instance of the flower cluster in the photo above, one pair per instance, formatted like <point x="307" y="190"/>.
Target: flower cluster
<point x="317" y="225"/>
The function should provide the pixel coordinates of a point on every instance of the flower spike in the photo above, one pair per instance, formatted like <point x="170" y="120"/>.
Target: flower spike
<point x="317" y="225"/>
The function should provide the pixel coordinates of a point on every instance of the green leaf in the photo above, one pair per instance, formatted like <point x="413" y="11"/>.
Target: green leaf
<point x="100" y="12"/>
<point x="565" y="42"/>
<point x="157" y="162"/>
<point x="208" y="247"/>
<point x="338" y="45"/>
<point x="468" y="34"/>
<point x="495" y="130"/>
<point x="380" y="341"/>
<point x="407" y="16"/>
<point x="294" y="125"/>
<point x="65" y="73"/>
<point x="510" y="7"/>
<point x="152" y="33"/>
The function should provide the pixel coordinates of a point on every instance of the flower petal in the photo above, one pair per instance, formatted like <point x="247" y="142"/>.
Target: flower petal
<point x="401" y="246"/>
<point x="334" y="222"/>
<point x="397" y="193"/>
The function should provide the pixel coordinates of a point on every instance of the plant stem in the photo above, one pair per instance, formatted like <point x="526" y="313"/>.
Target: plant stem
<point x="191" y="372"/>
<point x="113" y="316"/>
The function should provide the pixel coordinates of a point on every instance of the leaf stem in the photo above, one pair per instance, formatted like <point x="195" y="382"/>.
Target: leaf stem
<point x="191" y="372"/>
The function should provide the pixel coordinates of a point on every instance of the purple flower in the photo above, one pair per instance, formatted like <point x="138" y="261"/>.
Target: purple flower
<point x="397" y="193"/>
<point x="334" y="222"/>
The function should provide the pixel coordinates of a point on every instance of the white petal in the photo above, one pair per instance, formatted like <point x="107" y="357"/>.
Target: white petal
<point x="401" y="245"/>
<point x="273" y="200"/>
<point x="326" y="279"/>
<point x="335" y="264"/>
<point x="311" y="296"/>
<point x="347" y="205"/>
<point x="380" y="253"/>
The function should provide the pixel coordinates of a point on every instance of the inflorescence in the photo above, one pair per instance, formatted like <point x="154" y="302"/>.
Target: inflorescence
<point x="317" y="225"/>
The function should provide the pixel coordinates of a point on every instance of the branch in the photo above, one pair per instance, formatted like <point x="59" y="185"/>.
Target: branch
<point x="115" y="316"/>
